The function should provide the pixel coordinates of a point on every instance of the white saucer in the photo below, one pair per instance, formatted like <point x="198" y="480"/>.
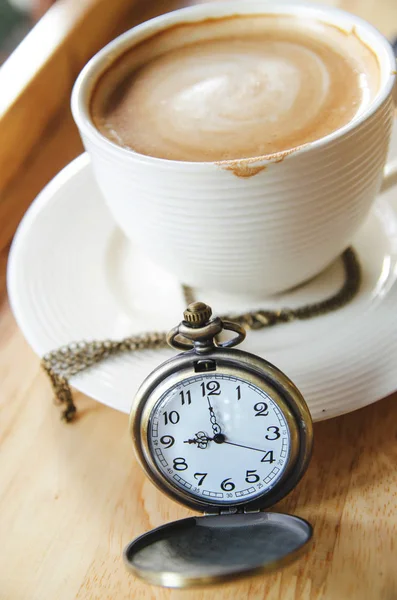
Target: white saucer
<point x="72" y="275"/>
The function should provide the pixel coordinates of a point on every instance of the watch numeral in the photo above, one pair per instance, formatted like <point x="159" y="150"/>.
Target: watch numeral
<point x="262" y="409"/>
<point x="227" y="485"/>
<point x="238" y="392"/>
<point x="180" y="464"/>
<point x="251" y="477"/>
<point x="269" y="457"/>
<point x="200" y="476"/>
<point x="185" y="397"/>
<point x="167" y="441"/>
<point x="172" y="417"/>
<point x="275" y="431"/>
<point x="212" y="387"/>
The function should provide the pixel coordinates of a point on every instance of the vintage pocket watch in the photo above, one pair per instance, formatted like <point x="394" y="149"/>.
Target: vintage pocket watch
<point x="226" y="433"/>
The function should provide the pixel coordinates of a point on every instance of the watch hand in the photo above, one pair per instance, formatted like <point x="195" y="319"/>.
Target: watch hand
<point x="202" y="439"/>
<point x="241" y="446"/>
<point x="215" y="427"/>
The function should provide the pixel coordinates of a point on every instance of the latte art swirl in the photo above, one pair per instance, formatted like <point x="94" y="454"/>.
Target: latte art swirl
<point x="209" y="99"/>
<point x="251" y="94"/>
<point x="237" y="90"/>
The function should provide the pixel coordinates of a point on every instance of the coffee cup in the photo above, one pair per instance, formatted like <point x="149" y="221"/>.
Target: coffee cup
<point x="254" y="224"/>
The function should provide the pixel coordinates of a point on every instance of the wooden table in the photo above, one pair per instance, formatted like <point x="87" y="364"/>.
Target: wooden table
<point x="72" y="496"/>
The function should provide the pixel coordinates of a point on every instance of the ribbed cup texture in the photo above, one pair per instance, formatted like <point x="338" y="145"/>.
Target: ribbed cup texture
<point x="260" y="234"/>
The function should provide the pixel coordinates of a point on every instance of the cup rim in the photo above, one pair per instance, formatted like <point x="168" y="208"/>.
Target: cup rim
<point x="89" y="75"/>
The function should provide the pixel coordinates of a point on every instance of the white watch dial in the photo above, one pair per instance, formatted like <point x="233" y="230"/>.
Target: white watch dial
<point x="219" y="438"/>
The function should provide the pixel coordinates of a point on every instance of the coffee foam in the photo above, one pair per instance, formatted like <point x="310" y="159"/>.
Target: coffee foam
<point x="235" y="88"/>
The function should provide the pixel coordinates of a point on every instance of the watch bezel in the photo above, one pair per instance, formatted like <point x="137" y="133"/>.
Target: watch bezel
<point x="249" y="367"/>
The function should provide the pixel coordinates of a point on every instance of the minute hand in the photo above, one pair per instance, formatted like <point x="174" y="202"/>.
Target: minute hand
<point x="241" y="446"/>
<point x="214" y="424"/>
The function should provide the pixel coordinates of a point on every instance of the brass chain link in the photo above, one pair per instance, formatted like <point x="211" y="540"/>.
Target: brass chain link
<point x="67" y="361"/>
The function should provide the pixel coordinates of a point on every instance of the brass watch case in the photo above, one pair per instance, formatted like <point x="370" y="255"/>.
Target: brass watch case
<point x="246" y="366"/>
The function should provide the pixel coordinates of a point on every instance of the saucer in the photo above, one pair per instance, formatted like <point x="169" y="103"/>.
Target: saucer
<point x="72" y="275"/>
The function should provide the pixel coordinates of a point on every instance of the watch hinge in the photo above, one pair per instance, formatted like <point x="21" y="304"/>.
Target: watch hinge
<point x="233" y="510"/>
<point x="222" y="511"/>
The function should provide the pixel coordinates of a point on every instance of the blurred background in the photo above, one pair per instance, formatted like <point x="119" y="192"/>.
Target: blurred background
<point x="16" y="19"/>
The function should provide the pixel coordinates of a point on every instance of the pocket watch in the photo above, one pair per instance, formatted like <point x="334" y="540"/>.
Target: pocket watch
<point x="226" y="433"/>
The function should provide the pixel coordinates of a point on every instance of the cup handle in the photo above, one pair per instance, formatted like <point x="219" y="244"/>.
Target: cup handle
<point x="389" y="175"/>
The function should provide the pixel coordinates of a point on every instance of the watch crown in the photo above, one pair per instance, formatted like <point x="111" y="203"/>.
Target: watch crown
<point x="197" y="314"/>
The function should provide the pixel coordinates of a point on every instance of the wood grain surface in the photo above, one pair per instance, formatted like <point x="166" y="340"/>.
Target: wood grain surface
<point x="72" y="496"/>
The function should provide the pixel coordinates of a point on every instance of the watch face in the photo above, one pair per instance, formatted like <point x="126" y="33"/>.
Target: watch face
<point x="219" y="438"/>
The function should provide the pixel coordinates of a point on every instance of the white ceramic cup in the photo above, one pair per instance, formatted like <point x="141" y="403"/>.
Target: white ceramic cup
<point x="264" y="232"/>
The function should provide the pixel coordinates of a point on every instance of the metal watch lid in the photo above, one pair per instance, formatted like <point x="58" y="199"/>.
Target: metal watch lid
<point x="211" y="549"/>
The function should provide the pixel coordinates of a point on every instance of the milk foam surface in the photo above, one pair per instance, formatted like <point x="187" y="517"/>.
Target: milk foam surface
<point x="235" y="88"/>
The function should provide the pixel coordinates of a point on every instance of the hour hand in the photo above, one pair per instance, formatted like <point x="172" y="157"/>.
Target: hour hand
<point x="201" y="439"/>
